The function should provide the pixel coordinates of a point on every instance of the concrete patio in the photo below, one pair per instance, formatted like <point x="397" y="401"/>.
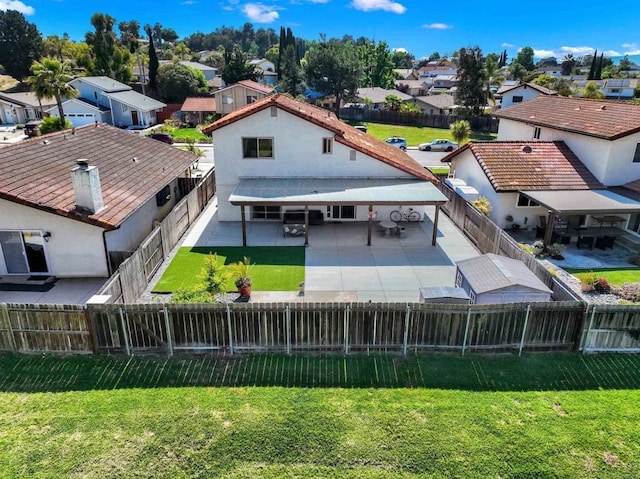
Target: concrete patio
<point x="64" y="291"/>
<point x="341" y="267"/>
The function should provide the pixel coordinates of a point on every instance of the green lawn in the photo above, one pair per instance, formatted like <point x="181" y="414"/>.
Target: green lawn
<point x="184" y="135"/>
<point x="273" y="416"/>
<point x="617" y="276"/>
<point x="276" y="268"/>
<point x="416" y="135"/>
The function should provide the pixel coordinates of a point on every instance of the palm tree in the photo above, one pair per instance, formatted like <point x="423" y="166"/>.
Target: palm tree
<point x="460" y="131"/>
<point x="50" y="79"/>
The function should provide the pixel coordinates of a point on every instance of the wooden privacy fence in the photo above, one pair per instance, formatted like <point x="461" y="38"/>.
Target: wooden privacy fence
<point x="478" y="123"/>
<point x="295" y="327"/>
<point x="134" y="274"/>
<point x="488" y="237"/>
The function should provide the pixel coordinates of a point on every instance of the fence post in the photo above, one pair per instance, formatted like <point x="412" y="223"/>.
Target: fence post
<point x="169" y="327"/>
<point x="346" y="329"/>
<point x="405" y="342"/>
<point x="586" y="339"/>
<point x="287" y="312"/>
<point x="7" y="321"/>
<point x="229" y="328"/>
<point x="125" y="332"/>
<point x="524" y="329"/>
<point x="93" y="340"/>
<point x="466" y="331"/>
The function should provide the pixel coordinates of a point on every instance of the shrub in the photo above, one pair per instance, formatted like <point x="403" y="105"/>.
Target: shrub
<point x="192" y="294"/>
<point x="482" y="205"/>
<point x="54" y="123"/>
<point x="588" y="277"/>
<point x="628" y="291"/>
<point x="554" y="250"/>
<point x="602" y="286"/>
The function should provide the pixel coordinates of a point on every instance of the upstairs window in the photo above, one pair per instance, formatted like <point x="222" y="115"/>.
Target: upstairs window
<point x="257" y="147"/>
<point x="327" y="146"/>
<point x="517" y="99"/>
<point x="251" y="99"/>
<point x="636" y="156"/>
<point x="536" y="133"/>
<point x="525" y="202"/>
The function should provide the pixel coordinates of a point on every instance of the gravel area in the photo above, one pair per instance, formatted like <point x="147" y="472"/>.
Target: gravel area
<point x="574" y="283"/>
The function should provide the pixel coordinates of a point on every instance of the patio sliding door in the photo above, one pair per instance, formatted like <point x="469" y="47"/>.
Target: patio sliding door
<point x="23" y="252"/>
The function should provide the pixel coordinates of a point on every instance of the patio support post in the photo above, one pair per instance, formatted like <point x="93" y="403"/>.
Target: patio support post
<point x="435" y="226"/>
<point x="548" y="234"/>
<point x="306" y="224"/>
<point x="169" y="328"/>
<point x="369" y="225"/>
<point x="524" y="329"/>
<point x="244" y="226"/>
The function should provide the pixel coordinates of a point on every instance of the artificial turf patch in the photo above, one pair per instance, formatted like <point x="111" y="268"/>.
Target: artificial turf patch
<point x="278" y="268"/>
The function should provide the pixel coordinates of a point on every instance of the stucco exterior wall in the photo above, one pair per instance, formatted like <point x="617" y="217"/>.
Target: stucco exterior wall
<point x="524" y="91"/>
<point x="75" y="249"/>
<point x="297" y="151"/>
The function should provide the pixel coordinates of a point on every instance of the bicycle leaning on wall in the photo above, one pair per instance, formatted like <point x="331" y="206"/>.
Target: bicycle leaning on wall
<point x="401" y="214"/>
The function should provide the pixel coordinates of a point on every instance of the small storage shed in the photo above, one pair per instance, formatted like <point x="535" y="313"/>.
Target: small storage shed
<point x="493" y="279"/>
<point x="443" y="295"/>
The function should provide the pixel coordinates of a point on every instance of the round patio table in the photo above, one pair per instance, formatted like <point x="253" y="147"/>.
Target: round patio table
<point x="388" y="226"/>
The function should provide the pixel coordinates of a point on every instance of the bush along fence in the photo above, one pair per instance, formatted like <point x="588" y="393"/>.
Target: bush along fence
<point x="488" y="237"/>
<point x="477" y="123"/>
<point x="133" y="275"/>
<point x="399" y="328"/>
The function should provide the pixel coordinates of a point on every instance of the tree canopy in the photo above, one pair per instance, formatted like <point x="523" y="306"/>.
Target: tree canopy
<point x="176" y="82"/>
<point x="236" y="68"/>
<point x="377" y="65"/>
<point x="20" y="43"/>
<point x="50" y="80"/>
<point x="471" y="80"/>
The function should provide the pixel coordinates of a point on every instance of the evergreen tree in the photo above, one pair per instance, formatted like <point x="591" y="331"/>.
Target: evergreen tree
<point x="592" y="70"/>
<point x="20" y="43"/>
<point x="153" y="60"/>
<point x="598" y="75"/>
<point x="236" y="68"/>
<point x="471" y="92"/>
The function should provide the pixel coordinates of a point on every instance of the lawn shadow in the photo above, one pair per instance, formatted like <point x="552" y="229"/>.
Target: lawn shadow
<point x="531" y="372"/>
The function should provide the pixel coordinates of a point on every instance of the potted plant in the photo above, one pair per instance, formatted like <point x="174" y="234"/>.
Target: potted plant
<point x="587" y="280"/>
<point x="555" y="251"/>
<point x="241" y="271"/>
<point x="301" y="288"/>
<point x="537" y="248"/>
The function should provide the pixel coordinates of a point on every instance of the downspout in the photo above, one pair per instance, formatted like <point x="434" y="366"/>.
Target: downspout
<point x="106" y="253"/>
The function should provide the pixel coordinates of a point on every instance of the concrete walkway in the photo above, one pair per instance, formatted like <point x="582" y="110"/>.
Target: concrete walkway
<point x="340" y="266"/>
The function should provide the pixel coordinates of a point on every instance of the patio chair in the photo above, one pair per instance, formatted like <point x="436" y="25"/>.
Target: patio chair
<point x="585" y="242"/>
<point x="540" y="231"/>
<point x="293" y="230"/>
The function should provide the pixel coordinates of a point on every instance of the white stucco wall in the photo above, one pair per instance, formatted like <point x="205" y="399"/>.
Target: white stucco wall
<point x="524" y="91"/>
<point x="75" y="249"/>
<point x="297" y="153"/>
<point x="611" y="162"/>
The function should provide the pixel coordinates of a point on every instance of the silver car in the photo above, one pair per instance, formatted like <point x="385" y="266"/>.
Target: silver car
<point x="438" y="145"/>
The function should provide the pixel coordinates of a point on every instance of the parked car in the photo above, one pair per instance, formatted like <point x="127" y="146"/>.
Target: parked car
<point x="361" y="128"/>
<point x="31" y="128"/>
<point x="397" y="142"/>
<point x="438" y="145"/>
<point x="163" y="137"/>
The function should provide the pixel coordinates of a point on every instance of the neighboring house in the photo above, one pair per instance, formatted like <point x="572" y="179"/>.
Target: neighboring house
<point x="208" y="72"/>
<point x="552" y="70"/>
<point x="406" y="73"/>
<point x="104" y="99"/>
<point x="18" y="108"/>
<point x="266" y="70"/>
<point x="279" y="154"/>
<point x="268" y="78"/>
<point x="620" y="89"/>
<point x="412" y="87"/>
<point x="501" y="170"/>
<point x="443" y="84"/>
<point x="435" y="68"/>
<point x="522" y="92"/>
<point x="263" y="64"/>
<point x="197" y="109"/>
<point x="240" y="94"/>
<point x="436" y="104"/>
<point x="378" y="95"/>
<point x="493" y="279"/>
<point x="74" y="203"/>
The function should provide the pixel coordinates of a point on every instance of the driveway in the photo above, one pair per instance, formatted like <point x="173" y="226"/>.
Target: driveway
<point x="339" y="266"/>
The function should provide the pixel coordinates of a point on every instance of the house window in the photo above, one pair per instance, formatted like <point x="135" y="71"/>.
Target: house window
<point x="344" y="212"/>
<point x="517" y="99"/>
<point x="352" y="155"/>
<point x="615" y="90"/>
<point x="458" y="279"/>
<point x="257" y="147"/>
<point x="472" y="297"/>
<point x="274" y="111"/>
<point x="251" y="99"/>
<point x="636" y="156"/>
<point x="327" y="146"/>
<point x="260" y="212"/>
<point x="525" y="202"/>
<point x="125" y="108"/>
<point x="536" y="133"/>
<point x="95" y="95"/>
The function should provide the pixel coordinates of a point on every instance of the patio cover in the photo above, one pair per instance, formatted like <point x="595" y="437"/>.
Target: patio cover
<point x="336" y="191"/>
<point x="584" y="202"/>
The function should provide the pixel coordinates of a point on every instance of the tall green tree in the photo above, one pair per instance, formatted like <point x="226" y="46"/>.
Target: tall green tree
<point x="460" y="131"/>
<point x="333" y="68"/>
<point x="288" y="63"/>
<point x="592" y="69"/>
<point x="20" y="44"/>
<point x="592" y="90"/>
<point x="377" y="65"/>
<point x="236" y="67"/>
<point x="154" y="64"/>
<point x="402" y="59"/>
<point x="525" y="58"/>
<point x="568" y="64"/>
<point x="393" y="102"/>
<point x="471" y="80"/>
<point x="598" y="73"/>
<point x="492" y="75"/>
<point x="102" y="42"/>
<point x="51" y="79"/>
<point x="176" y="82"/>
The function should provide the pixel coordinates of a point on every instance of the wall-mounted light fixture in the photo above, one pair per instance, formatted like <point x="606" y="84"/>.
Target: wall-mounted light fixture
<point x="46" y="235"/>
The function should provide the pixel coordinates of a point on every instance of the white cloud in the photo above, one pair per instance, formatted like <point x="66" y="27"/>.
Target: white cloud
<point x="17" y="5"/>
<point x="577" y="50"/>
<point x="188" y="2"/>
<point x="401" y="50"/>
<point x="630" y="46"/>
<point x="508" y="45"/>
<point x="259" y="13"/>
<point x="611" y="53"/>
<point x="385" y="5"/>
<point x="632" y="52"/>
<point x="318" y="1"/>
<point x="543" y="53"/>
<point x="437" y="26"/>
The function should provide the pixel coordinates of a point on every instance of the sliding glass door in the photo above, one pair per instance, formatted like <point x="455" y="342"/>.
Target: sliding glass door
<point x="24" y="252"/>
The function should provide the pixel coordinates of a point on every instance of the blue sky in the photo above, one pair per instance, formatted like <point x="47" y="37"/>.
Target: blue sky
<point x="419" y="26"/>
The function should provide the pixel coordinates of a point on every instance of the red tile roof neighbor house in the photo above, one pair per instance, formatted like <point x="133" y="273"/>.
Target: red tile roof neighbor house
<point x="204" y="104"/>
<point x="529" y="165"/>
<point x="598" y="118"/>
<point x="256" y="86"/>
<point x="345" y="134"/>
<point x="132" y="169"/>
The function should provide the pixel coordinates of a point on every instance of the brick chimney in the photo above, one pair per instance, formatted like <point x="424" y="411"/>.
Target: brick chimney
<point x="86" y="185"/>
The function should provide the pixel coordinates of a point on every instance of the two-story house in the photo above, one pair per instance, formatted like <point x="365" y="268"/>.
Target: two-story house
<point x="279" y="154"/>
<point x="105" y="100"/>
<point x="240" y="94"/>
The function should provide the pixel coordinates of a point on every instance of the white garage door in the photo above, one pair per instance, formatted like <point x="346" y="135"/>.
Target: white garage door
<point x="79" y="119"/>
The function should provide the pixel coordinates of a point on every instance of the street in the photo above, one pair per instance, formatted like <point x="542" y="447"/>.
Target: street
<point x="427" y="158"/>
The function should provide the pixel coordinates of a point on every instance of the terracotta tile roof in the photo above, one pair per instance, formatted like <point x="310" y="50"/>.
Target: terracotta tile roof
<point x="37" y="172"/>
<point x="532" y="165"/>
<point x="256" y="86"/>
<point x="199" y="104"/>
<point x="598" y="118"/>
<point x="345" y="134"/>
